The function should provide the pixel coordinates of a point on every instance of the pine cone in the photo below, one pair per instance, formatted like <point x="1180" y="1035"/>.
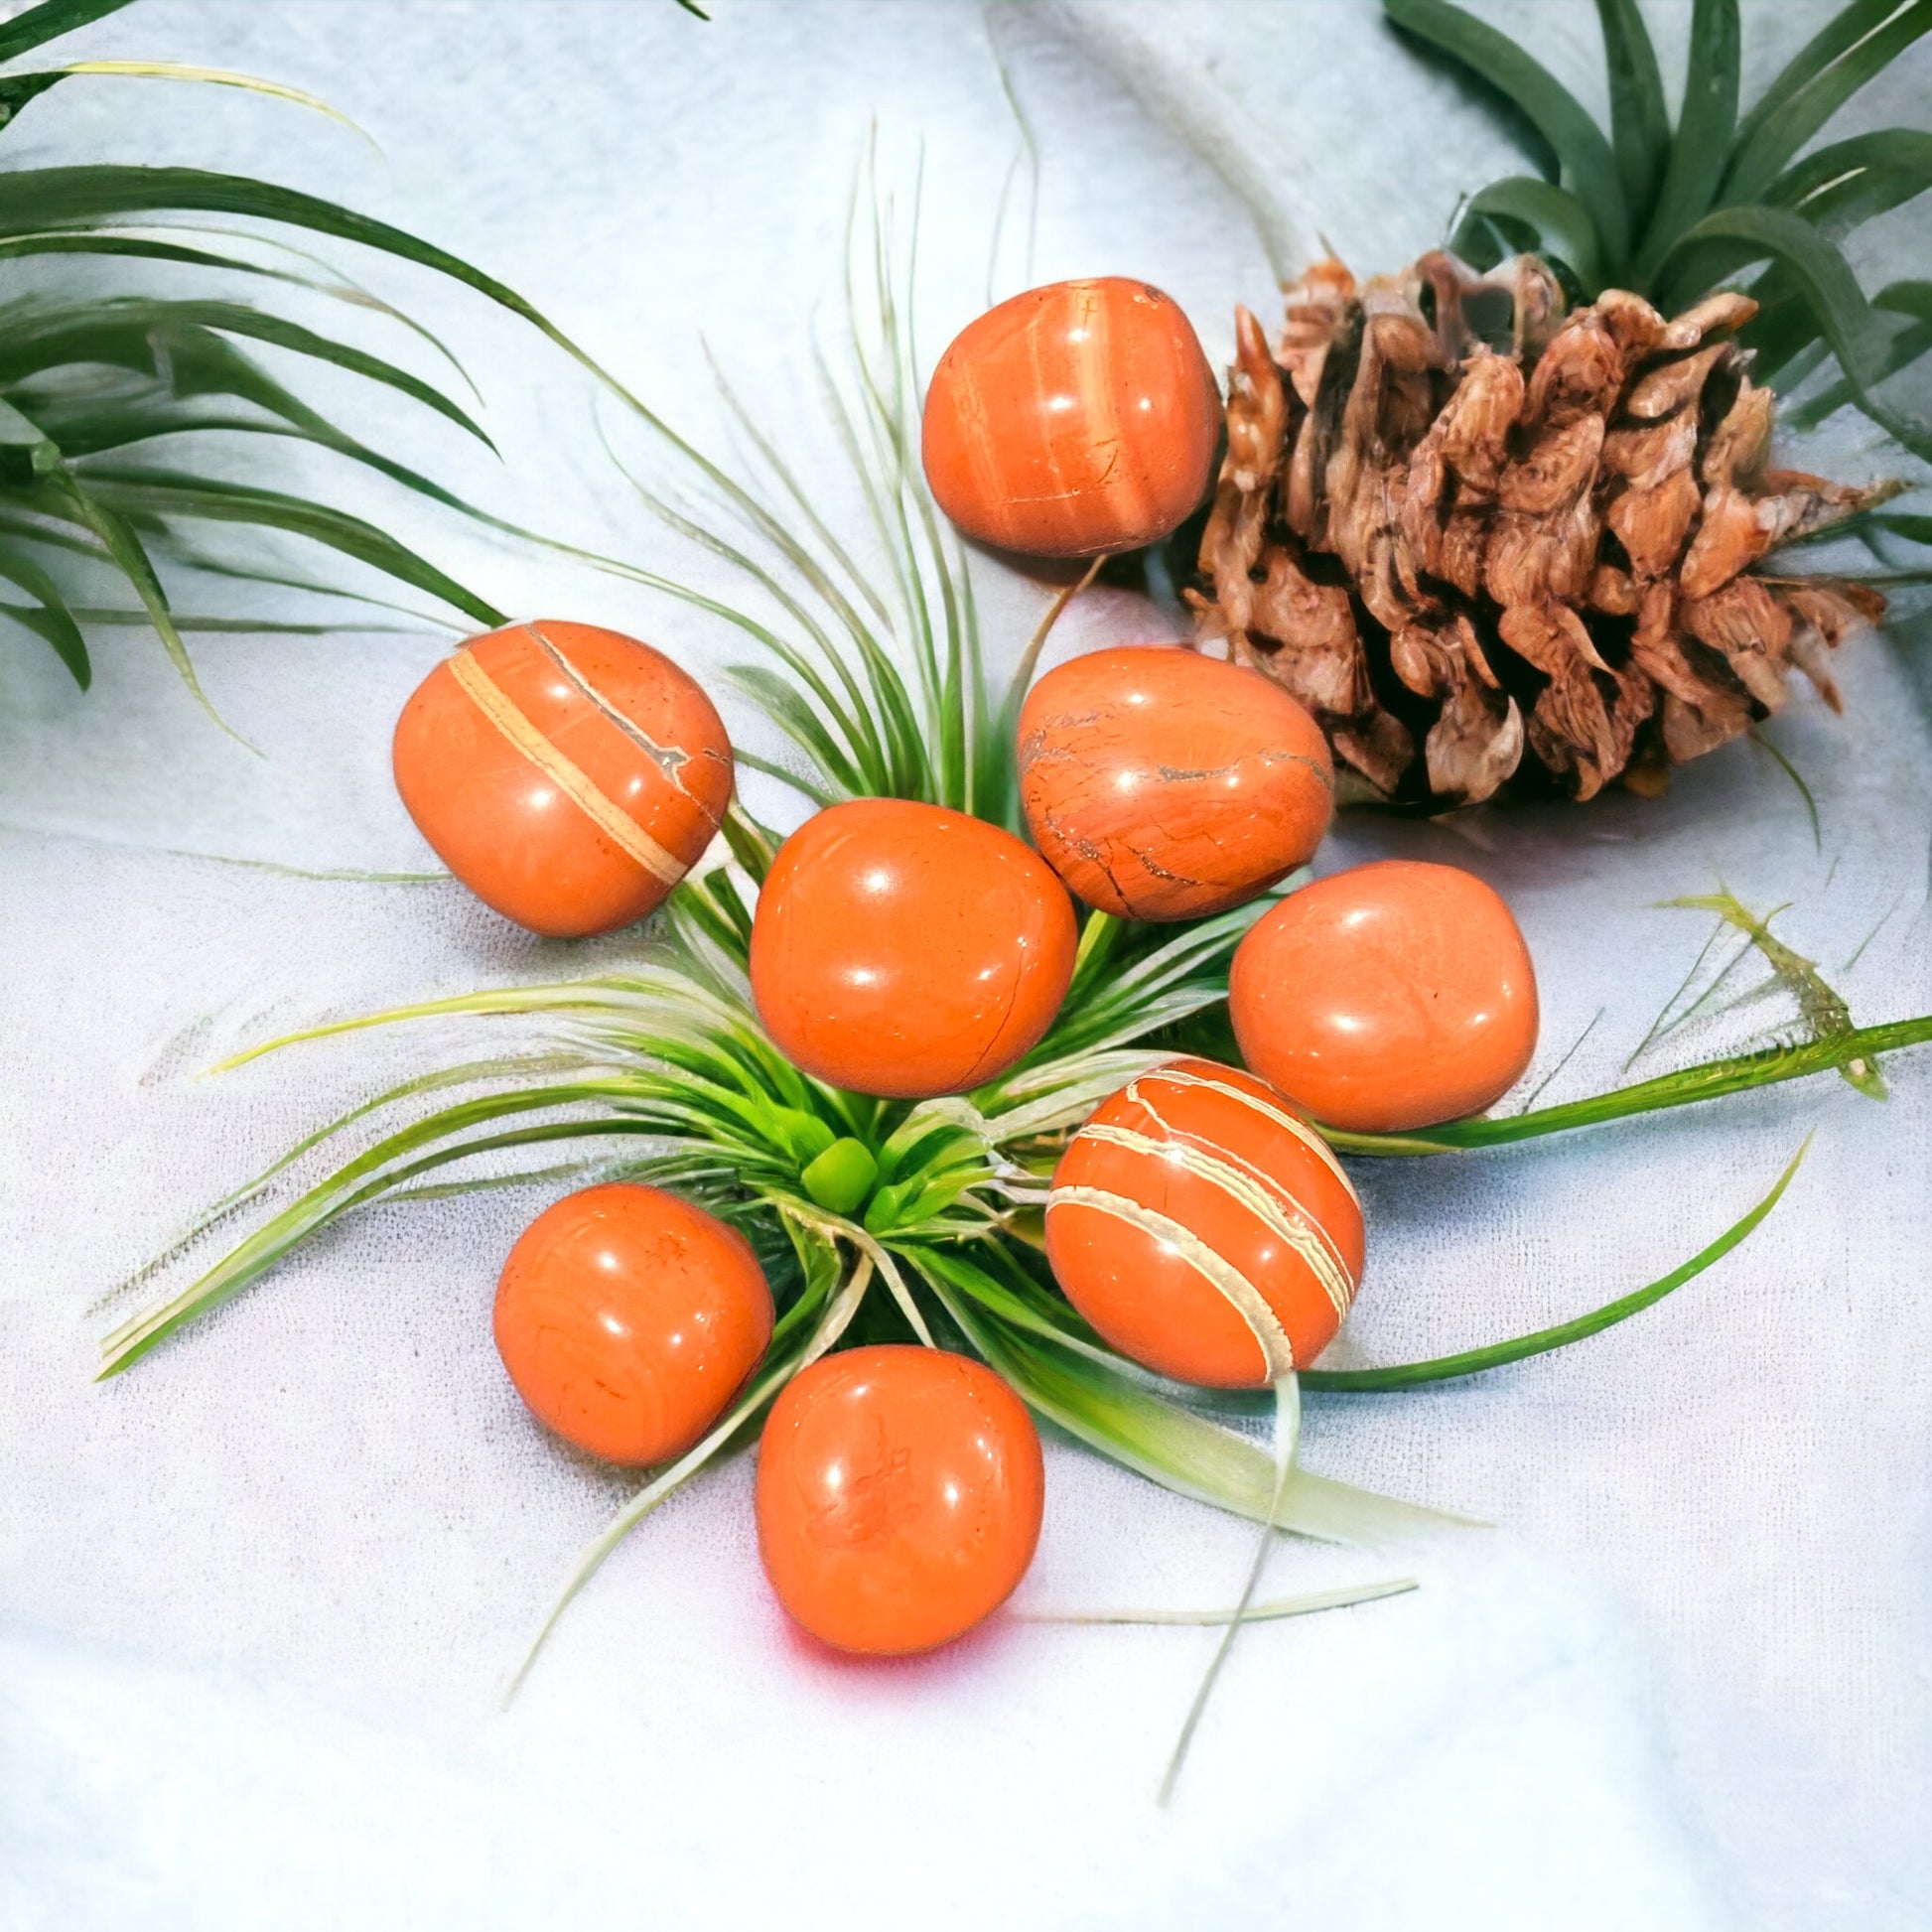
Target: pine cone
<point x="1550" y="549"/>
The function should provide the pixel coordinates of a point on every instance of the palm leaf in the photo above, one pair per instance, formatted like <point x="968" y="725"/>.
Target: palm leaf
<point x="171" y="494"/>
<point x="180" y="356"/>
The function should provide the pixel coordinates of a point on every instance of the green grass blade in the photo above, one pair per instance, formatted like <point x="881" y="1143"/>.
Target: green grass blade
<point x="337" y="287"/>
<point x="1822" y="1008"/>
<point x="783" y="1359"/>
<point x="787" y="708"/>
<point x="1762" y="741"/>
<point x="51" y="617"/>
<point x="36" y="26"/>
<point x="1157" y="1438"/>
<point x="1278" y="1608"/>
<point x="1473" y="1361"/>
<point x="251" y="1189"/>
<point x="118" y="538"/>
<point x="355" y="1183"/>
<point x="1587" y="166"/>
<point x="172" y="493"/>
<point x="237" y="319"/>
<point x="1841" y="187"/>
<point x="1705" y="127"/>
<point x="181" y="349"/>
<point x="1857" y="46"/>
<point x="1287" y="1437"/>
<point x="34" y="200"/>
<point x="1639" y="119"/>
<point x="1711" y="1081"/>
<point x="203" y="76"/>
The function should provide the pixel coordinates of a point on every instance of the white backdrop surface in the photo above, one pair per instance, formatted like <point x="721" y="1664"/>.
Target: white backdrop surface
<point x="258" y="1597"/>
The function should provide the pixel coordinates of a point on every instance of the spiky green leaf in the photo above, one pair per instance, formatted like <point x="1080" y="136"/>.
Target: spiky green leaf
<point x="1704" y="125"/>
<point x="1589" y="169"/>
<point x="1639" y="119"/>
<point x="1853" y="49"/>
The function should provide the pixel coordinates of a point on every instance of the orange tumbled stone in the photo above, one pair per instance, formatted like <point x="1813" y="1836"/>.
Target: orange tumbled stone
<point x="1076" y="418"/>
<point x="1161" y="784"/>
<point x="628" y="1319"/>
<point x="907" y="950"/>
<point x="570" y="776"/>
<point x="900" y="1493"/>
<point x="1387" y="996"/>
<point x="1204" y="1229"/>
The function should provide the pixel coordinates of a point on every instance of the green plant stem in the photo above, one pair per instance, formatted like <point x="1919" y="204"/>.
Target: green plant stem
<point x="1711" y="1081"/>
<point x="1473" y="1361"/>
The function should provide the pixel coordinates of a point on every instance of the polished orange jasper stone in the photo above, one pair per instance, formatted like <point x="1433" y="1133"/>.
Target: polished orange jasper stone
<point x="1387" y="996"/>
<point x="1205" y="1229"/>
<point x="628" y="1319"/>
<point x="1161" y="784"/>
<point x="570" y="776"/>
<point x="899" y="1497"/>
<point x="1077" y="418"/>
<point x="907" y="950"/>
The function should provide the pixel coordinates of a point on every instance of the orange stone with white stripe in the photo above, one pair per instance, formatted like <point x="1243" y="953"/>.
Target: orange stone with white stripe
<point x="569" y="776"/>
<point x="1204" y="1228"/>
<point x="1074" y="418"/>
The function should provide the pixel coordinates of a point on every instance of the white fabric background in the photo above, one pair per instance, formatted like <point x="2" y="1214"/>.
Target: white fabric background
<point x="257" y="1598"/>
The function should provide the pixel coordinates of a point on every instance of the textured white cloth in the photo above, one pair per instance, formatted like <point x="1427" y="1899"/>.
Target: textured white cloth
<point x="258" y="1597"/>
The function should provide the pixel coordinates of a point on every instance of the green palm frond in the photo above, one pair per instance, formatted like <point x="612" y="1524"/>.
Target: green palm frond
<point x="93" y="371"/>
<point x="1721" y="198"/>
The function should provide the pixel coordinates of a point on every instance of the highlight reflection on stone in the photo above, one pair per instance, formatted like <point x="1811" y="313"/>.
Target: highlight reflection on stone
<point x="1387" y="996"/>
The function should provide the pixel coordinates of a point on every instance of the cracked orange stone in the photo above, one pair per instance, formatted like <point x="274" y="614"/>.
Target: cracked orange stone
<point x="1387" y="996"/>
<point x="907" y="950"/>
<point x="628" y="1319"/>
<point x="1204" y="1228"/>
<point x="900" y="1493"/>
<point x="1161" y="784"/>
<point x="1074" y="418"/>
<point x="570" y="776"/>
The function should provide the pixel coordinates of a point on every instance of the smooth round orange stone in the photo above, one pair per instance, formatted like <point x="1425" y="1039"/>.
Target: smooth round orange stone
<point x="1076" y="418"/>
<point x="907" y="950"/>
<point x="1161" y="784"/>
<point x="1387" y="996"/>
<point x="1204" y="1229"/>
<point x="628" y="1319"/>
<point x="900" y="1493"/>
<point x="570" y="776"/>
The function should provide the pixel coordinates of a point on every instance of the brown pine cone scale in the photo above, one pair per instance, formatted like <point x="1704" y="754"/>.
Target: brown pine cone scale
<point x="1476" y="562"/>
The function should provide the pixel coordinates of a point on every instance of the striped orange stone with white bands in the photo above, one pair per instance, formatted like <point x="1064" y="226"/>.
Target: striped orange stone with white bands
<point x="1204" y="1229"/>
<point x="568" y="774"/>
<point x="601" y="812"/>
